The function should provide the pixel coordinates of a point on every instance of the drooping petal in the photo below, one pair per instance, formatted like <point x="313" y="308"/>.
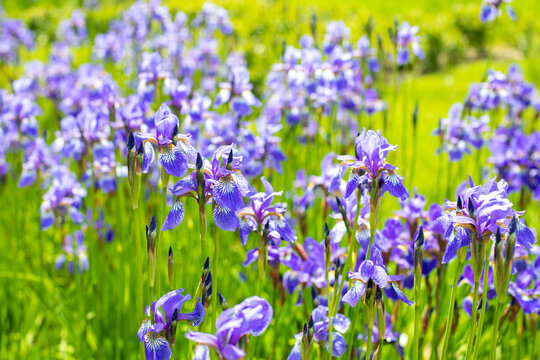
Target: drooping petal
<point x="28" y="177"/>
<point x="525" y="237"/>
<point x="47" y="219"/>
<point x="400" y="294"/>
<point x="394" y="185"/>
<point x="232" y="352"/>
<point x="341" y="323"/>
<point x="339" y="346"/>
<point x="173" y="161"/>
<point x="354" y="294"/>
<point x="203" y="339"/>
<point x="283" y="229"/>
<point x="175" y="216"/>
<point x="352" y="183"/>
<point x="143" y="330"/>
<point x="225" y="219"/>
<point x="488" y="12"/>
<point x="156" y="347"/>
<point x="201" y="352"/>
<point x="227" y="193"/>
<point x="196" y="316"/>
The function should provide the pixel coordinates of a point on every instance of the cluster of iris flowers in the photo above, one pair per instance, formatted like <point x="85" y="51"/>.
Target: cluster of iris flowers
<point x="190" y="120"/>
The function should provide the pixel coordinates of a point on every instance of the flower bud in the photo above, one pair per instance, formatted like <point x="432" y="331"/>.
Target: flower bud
<point x="170" y="268"/>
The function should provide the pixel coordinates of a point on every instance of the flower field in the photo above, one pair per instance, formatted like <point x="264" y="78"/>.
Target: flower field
<point x="270" y="180"/>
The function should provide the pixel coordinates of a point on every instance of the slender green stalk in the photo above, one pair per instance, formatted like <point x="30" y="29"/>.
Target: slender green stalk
<point x="450" y="315"/>
<point x="371" y="322"/>
<point x="381" y="323"/>
<point x="494" y="335"/>
<point x="215" y="271"/>
<point x="478" y="265"/>
<point x="417" y="296"/>
<point x="484" y="296"/>
<point x="161" y="220"/>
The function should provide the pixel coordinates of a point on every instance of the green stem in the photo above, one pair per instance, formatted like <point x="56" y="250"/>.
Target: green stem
<point x="215" y="271"/>
<point x="495" y="329"/>
<point x="487" y="250"/>
<point x="371" y="322"/>
<point x="417" y="294"/>
<point x="329" y="297"/>
<point x="381" y="323"/>
<point x="450" y="315"/>
<point x="478" y="266"/>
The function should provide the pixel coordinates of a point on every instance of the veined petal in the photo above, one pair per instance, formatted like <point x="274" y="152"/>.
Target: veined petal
<point x="145" y="327"/>
<point x="156" y="347"/>
<point x="394" y="185"/>
<point x="227" y="193"/>
<point x="203" y="339"/>
<point x="225" y="219"/>
<point x="352" y="183"/>
<point x="175" y="216"/>
<point x="525" y="237"/>
<point x="173" y="161"/>
<point x="400" y="294"/>
<point x="354" y="294"/>
<point x="379" y="276"/>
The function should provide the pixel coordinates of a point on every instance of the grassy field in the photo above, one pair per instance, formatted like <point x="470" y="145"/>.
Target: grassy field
<point x="50" y="314"/>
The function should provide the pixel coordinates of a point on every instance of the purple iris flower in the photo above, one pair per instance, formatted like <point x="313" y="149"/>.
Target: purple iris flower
<point x="251" y="317"/>
<point x="261" y="212"/>
<point x="516" y="157"/>
<point x="371" y="272"/>
<point x="38" y="158"/>
<point x="458" y="133"/>
<point x="370" y="163"/>
<point x="238" y="92"/>
<point x="104" y="166"/>
<point x="167" y="309"/>
<point x="171" y="156"/>
<point x="340" y="325"/>
<point x="75" y="255"/>
<point x="491" y="9"/>
<point x="224" y="183"/>
<point x="490" y="208"/>
<point x="63" y="198"/>
<point x="407" y="36"/>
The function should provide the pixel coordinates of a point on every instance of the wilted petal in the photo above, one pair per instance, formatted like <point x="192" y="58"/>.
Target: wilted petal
<point x="175" y="216"/>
